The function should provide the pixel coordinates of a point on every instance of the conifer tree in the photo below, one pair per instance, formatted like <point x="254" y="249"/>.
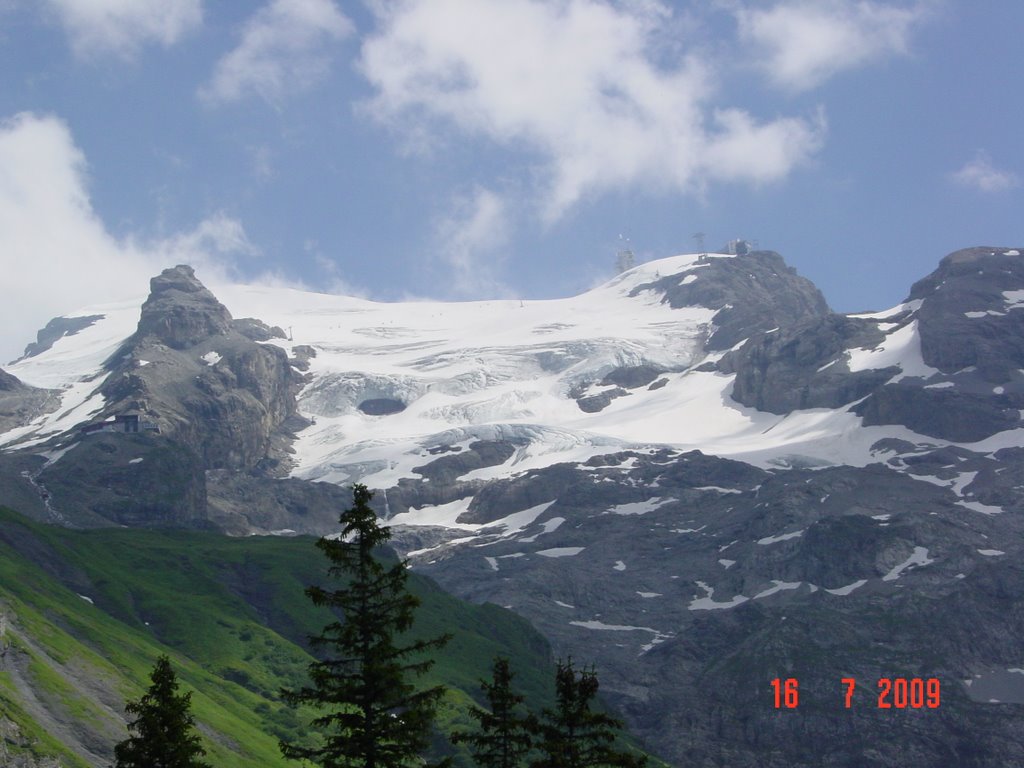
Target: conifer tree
<point x="504" y="736"/>
<point x="163" y="726"/>
<point x="572" y="735"/>
<point x="374" y="716"/>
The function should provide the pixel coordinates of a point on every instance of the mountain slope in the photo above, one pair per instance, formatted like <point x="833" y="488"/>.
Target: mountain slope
<point x="86" y="613"/>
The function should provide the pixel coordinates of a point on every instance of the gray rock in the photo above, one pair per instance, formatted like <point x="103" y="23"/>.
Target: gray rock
<point x="600" y="401"/>
<point x="945" y="413"/>
<point x="302" y="353"/>
<point x="242" y="504"/>
<point x="20" y="404"/>
<point x="227" y="398"/>
<point x="632" y="377"/>
<point x="180" y="311"/>
<point x="56" y="329"/>
<point x="257" y="330"/>
<point x="617" y="584"/>
<point x="752" y="293"/>
<point x="803" y="366"/>
<point x="138" y="480"/>
<point x="974" y="281"/>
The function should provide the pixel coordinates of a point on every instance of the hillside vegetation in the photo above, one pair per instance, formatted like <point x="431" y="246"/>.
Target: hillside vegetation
<point x="86" y="613"/>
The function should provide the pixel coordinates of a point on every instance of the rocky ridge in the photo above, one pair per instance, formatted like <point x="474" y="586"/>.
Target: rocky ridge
<point x="209" y="397"/>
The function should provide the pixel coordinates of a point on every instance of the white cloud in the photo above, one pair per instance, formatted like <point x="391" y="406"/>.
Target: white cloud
<point x="332" y="280"/>
<point x="576" y="83"/>
<point x="285" y="48"/>
<point x="471" y="240"/>
<point x="218" y="237"/>
<point x="802" y="43"/>
<point x="56" y="256"/>
<point x="121" y="27"/>
<point x="979" y="173"/>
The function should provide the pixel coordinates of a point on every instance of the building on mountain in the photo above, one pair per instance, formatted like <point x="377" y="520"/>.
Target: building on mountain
<point x="129" y="422"/>
<point x="738" y="247"/>
<point x="626" y="261"/>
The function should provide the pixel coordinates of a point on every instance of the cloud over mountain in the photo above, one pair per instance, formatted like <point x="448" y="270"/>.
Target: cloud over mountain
<point x="56" y="253"/>
<point x="982" y="174"/>
<point x="581" y="87"/>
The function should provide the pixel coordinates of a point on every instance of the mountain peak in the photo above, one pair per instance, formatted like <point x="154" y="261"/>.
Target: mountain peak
<point x="181" y="311"/>
<point x="750" y="293"/>
<point x="969" y="316"/>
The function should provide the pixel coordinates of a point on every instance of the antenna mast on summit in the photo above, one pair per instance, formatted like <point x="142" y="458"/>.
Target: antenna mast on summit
<point x="626" y="260"/>
<point x="701" y="253"/>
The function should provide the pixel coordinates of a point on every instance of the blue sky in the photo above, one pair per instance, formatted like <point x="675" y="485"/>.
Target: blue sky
<point x="464" y="149"/>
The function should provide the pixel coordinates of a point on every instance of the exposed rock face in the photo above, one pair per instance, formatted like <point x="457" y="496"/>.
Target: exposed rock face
<point x="752" y="294"/>
<point x="220" y="400"/>
<point x="15" y="749"/>
<point x="600" y="401"/>
<point x="241" y="504"/>
<point x="973" y="313"/>
<point x="804" y="366"/>
<point x="56" y="329"/>
<point x="633" y="376"/>
<point x="303" y="353"/>
<point x="257" y="330"/>
<point x="9" y="383"/>
<point x="20" y="403"/>
<point x="443" y="476"/>
<point x="138" y="480"/>
<point x="229" y="399"/>
<point x="616" y="383"/>
<point x="951" y="414"/>
<point x="180" y="311"/>
<point x="971" y="336"/>
<point x="691" y="582"/>
<point x="971" y="330"/>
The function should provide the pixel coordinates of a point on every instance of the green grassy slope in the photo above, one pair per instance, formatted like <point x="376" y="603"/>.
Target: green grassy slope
<point x="231" y="614"/>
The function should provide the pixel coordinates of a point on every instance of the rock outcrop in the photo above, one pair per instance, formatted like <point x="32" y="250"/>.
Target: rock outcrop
<point x="752" y="294"/>
<point x="972" y="313"/>
<point x="229" y="399"/>
<point x="180" y="311"/>
<point x="20" y="403"/>
<point x="804" y="365"/>
<point x="56" y="329"/>
<point x="216" y="399"/>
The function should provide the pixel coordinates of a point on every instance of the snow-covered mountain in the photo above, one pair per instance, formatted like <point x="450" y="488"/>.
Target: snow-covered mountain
<point x="529" y="367"/>
<point x="692" y="474"/>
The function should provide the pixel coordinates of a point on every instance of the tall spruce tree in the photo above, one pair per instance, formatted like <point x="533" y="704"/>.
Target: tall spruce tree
<point x="375" y="717"/>
<point x="503" y="738"/>
<point x="572" y="735"/>
<point x="163" y="725"/>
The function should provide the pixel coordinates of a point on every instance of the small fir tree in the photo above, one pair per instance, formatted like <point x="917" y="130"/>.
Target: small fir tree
<point x="503" y="738"/>
<point x="163" y="725"/>
<point x="375" y="717"/>
<point x="572" y="735"/>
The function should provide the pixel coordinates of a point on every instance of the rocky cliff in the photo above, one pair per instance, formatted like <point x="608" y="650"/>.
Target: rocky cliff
<point x="204" y="382"/>
<point x="752" y="293"/>
<point x="207" y="397"/>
